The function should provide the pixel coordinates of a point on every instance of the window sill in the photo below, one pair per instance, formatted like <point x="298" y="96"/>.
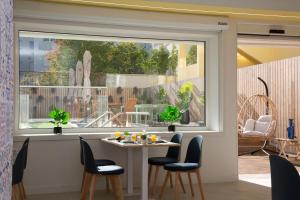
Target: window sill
<point x="93" y="136"/>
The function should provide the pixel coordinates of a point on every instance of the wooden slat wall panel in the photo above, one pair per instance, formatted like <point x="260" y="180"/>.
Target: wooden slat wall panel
<point x="283" y="81"/>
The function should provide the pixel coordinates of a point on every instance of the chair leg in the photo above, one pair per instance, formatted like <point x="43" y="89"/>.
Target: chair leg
<point x="155" y="179"/>
<point x="16" y="192"/>
<point x="191" y="184"/>
<point x="177" y="186"/>
<point x="107" y="184"/>
<point x="181" y="183"/>
<point x="23" y="190"/>
<point x="86" y="185"/>
<point x="83" y="178"/>
<point x="13" y="194"/>
<point x="20" y="193"/>
<point x="164" y="185"/>
<point x="117" y="187"/>
<point x="171" y="181"/>
<point x="149" y="174"/>
<point x="200" y="184"/>
<point x="92" y="187"/>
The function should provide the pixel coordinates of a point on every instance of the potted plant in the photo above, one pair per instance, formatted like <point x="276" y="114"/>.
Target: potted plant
<point x="185" y="97"/>
<point x="171" y="114"/>
<point x="60" y="117"/>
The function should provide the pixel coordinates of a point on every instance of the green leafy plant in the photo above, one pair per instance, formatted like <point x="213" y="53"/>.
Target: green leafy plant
<point x="59" y="116"/>
<point x="185" y="96"/>
<point x="170" y="114"/>
<point x="162" y="95"/>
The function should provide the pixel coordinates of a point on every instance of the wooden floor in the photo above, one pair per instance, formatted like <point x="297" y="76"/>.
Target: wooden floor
<point x="254" y="183"/>
<point x="255" y="165"/>
<point x="223" y="191"/>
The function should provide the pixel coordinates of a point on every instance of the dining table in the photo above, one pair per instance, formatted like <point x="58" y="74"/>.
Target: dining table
<point x="144" y="148"/>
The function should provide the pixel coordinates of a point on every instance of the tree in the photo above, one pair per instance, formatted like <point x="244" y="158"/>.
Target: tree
<point x="173" y="59"/>
<point x="192" y="55"/>
<point x="128" y="58"/>
<point x="111" y="57"/>
<point x="158" y="62"/>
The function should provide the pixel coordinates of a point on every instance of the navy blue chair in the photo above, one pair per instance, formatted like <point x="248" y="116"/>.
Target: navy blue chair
<point x="192" y="164"/>
<point x="99" y="162"/>
<point x="173" y="156"/>
<point x="26" y="143"/>
<point x="93" y="171"/>
<point x="284" y="178"/>
<point x="18" y="190"/>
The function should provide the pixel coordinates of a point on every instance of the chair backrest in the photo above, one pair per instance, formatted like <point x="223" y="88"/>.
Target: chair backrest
<point x="18" y="167"/>
<point x="25" y="145"/>
<point x="88" y="157"/>
<point x="285" y="179"/>
<point x="129" y="106"/>
<point x="81" y="151"/>
<point x="174" y="152"/>
<point x="194" y="151"/>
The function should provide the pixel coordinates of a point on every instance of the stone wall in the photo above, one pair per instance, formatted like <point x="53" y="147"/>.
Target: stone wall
<point x="6" y="96"/>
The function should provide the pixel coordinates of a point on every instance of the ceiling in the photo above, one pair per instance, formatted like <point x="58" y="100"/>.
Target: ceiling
<point x="287" y="5"/>
<point x="275" y="10"/>
<point x="252" y="51"/>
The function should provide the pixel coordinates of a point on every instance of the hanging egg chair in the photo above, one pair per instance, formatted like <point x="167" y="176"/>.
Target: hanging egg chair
<point x="257" y="121"/>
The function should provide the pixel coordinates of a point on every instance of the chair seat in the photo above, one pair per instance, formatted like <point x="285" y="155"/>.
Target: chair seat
<point x="110" y="170"/>
<point x="103" y="162"/>
<point x="181" y="166"/>
<point x="161" y="160"/>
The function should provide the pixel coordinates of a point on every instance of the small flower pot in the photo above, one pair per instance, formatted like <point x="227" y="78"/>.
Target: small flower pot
<point x="171" y="128"/>
<point x="57" y="130"/>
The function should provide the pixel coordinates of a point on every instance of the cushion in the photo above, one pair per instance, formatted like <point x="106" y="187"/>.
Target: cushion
<point x="265" y="118"/>
<point x="261" y="126"/>
<point x="110" y="170"/>
<point x="102" y="162"/>
<point x="161" y="160"/>
<point x="253" y="133"/>
<point x="181" y="166"/>
<point x="249" y="125"/>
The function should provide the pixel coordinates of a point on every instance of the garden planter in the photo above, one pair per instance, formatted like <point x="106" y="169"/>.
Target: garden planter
<point x="171" y="128"/>
<point x="185" y="117"/>
<point x="57" y="130"/>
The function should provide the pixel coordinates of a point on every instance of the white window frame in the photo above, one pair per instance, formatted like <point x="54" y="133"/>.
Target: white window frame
<point x="212" y="60"/>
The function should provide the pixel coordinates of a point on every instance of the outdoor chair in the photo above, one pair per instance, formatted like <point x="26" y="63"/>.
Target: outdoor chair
<point x="257" y="120"/>
<point x="192" y="164"/>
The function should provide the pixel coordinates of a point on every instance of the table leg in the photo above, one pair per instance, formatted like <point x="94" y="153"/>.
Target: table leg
<point x="144" y="177"/>
<point x="298" y="151"/>
<point x="280" y="145"/>
<point x="283" y="149"/>
<point x="129" y="171"/>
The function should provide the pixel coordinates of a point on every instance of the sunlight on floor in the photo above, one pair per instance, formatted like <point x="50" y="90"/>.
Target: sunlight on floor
<point x="259" y="179"/>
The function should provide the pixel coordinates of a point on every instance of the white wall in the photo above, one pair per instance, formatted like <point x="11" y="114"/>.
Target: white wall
<point x="53" y="162"/>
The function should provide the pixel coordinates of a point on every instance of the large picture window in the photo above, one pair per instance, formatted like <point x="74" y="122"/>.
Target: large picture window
<point x="106" y="82"/>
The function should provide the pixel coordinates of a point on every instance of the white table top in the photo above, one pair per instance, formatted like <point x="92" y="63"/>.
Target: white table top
<point x="137" y="145"/>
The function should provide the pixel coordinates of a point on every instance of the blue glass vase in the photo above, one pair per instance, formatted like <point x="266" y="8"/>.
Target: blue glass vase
<point x="291" y="129"/>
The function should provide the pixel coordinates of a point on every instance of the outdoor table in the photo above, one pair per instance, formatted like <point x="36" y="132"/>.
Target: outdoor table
<point x="144" y="149"/>
<point x="283" y="143"/>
